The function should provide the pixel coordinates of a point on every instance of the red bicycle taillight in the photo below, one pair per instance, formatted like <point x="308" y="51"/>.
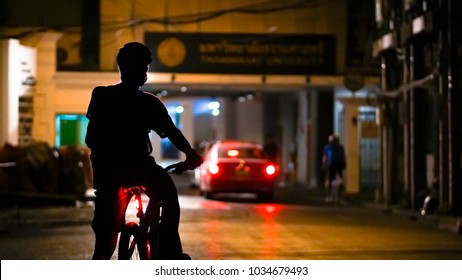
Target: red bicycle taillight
<point x="270" y="169"/>
<point x="214" y="169"/>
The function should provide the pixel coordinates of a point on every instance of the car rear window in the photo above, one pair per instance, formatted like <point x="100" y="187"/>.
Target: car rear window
<point x="239" y="152"/>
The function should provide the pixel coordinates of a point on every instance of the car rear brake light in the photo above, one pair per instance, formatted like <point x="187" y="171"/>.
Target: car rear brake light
<point x="270" y="169"/>
<point x="232" y="153"/>
<point x="214" y="169"/>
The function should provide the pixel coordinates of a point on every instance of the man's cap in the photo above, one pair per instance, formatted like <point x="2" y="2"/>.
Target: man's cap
<point x="134" y="54"/>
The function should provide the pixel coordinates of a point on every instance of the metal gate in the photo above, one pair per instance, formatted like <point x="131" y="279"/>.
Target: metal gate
<point x="369" y="143"/>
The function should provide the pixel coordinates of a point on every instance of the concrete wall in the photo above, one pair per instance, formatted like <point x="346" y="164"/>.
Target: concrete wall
<point x="122" y="21"/>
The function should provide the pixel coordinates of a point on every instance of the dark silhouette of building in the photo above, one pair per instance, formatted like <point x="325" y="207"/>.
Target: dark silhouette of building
<point x="417" y="43"/>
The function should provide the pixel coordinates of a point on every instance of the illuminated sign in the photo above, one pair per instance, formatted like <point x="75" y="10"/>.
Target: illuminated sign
<point x="25" y="57"/>
<point x="242" y="53"/>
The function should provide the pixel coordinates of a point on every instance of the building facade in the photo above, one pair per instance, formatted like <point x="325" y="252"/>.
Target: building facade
<point x="420" y="101"/>
<point x="318" y="79"/>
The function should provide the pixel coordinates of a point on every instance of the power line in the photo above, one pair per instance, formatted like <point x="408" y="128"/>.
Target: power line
<point x="258" y="8"/>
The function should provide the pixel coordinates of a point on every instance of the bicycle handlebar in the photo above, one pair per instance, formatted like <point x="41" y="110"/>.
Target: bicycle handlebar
<point x="178" y="168"/>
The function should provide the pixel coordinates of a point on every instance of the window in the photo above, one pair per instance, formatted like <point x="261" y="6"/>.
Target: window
<point x="71" y="130"/>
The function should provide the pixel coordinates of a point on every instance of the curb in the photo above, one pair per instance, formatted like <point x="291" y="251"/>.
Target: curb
<point x="30" y="199"/>
<point x="452" y="224"/>
<point x="299" y="194"/>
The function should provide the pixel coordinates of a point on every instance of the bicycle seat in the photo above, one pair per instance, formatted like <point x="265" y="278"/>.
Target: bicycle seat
<point x="134" y="189"/>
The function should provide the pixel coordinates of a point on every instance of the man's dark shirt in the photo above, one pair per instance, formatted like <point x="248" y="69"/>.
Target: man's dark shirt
<point x="335" y="155"/>
<point x="120" y="120"/>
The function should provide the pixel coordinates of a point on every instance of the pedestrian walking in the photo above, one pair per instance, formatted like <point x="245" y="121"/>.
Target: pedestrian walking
<point x="333" y="164"/>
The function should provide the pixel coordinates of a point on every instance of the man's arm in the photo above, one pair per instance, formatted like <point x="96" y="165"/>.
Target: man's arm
<point x="179" y="140"/>
<point x="169" y="129"/>
<point x="193" y="159"/>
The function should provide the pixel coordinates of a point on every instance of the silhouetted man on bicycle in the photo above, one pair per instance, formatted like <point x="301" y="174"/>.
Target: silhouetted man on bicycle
<point x="120" y="119"/>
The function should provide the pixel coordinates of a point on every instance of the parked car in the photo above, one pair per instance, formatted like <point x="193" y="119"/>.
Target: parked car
<point x="237" y="167"/>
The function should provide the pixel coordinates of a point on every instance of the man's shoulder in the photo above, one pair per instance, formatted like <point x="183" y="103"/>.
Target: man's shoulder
<point x="147" y="94"/>
<point x="150" y="98"/>
<point x="102" y="89"/>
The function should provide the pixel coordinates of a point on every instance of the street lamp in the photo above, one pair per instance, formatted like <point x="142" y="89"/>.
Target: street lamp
<point x="214" y="107"/>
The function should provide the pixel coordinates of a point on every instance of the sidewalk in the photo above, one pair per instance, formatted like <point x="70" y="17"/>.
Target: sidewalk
<point x="302" y="195"/>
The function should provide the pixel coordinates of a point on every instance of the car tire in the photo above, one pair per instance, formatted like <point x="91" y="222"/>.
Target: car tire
<point x="265" y="196"/>
<point x="207" y="194"/>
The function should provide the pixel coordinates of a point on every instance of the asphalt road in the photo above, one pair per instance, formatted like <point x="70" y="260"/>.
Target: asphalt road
<point x="241" y="228"/>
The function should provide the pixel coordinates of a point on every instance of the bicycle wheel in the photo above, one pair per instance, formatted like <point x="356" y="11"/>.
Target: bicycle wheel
<point x="133" y="244"/>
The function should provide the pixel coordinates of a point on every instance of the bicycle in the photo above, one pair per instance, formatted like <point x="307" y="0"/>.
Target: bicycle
<point x="134" y="240"/>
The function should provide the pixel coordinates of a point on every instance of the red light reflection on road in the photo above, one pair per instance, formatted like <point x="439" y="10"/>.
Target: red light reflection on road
<point x="268" y="211"/>
<point x="212" y="229"/>
<point x="214" y="205"/>
<point x="271" y="242"/>
<point x="267" y="231"/>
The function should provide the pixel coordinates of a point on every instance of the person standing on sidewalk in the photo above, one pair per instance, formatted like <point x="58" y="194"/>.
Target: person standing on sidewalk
<point x="333" y="164"/>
